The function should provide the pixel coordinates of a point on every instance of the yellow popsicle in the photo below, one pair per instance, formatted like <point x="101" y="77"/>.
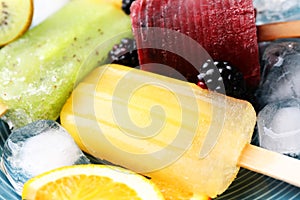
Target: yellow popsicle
<point x="156" y="126"/>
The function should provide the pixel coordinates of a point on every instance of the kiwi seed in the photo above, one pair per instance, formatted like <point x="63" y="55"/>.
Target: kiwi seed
<point x="15" y="19"/>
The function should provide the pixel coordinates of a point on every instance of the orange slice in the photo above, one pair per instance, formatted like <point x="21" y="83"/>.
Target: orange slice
<point x="90" y="182"/>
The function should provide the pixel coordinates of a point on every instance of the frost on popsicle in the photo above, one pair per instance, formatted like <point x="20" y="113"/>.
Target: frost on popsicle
<point x="226" y="30"/>
<point x="45" y="8"/>
<point x="158" y="126"/>
<point x="39" y="71"/>
<point x="36" y="148"/>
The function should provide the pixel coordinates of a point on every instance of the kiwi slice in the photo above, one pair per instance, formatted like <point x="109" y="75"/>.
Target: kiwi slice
<point x="15" y="19"/>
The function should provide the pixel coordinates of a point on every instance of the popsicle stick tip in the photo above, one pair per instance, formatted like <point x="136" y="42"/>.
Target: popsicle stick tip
<point x="271" y="164"/>
<point x="278" y="30"/>
<point x="3" y="109"/>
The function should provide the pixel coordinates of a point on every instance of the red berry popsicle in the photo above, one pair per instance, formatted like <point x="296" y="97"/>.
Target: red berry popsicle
<point x="224" y="28"/>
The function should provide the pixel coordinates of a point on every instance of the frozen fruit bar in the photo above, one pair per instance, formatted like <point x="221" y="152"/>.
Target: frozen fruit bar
<point x="38" y="71"/>
<point x="225" y="29"/>
<point x="159" y="126"/>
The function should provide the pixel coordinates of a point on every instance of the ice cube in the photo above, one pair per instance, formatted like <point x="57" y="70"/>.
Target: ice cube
<point x="279" y="127"/>
<point x="285" y="120"/>
<point x="37" y="148"/>
<point x="281" y="72"/>
<point x="269" y="11"/>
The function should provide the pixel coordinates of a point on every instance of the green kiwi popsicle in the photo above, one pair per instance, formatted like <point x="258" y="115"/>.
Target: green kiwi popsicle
<point x="39" y="70"/>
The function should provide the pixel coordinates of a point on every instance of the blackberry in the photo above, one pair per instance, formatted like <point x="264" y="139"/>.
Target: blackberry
<point x="227" y="80"/>
<point x="126" y="6"/>
<point x="124" y="53"/>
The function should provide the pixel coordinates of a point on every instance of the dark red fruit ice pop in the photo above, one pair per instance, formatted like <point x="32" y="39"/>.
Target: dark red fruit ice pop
<point x="224" y="28"/>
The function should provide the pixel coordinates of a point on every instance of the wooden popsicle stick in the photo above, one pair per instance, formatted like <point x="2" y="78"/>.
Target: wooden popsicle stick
<point x="3" y="109"/>
<point x="270" y="163"/>
<point x="272" y="31"/>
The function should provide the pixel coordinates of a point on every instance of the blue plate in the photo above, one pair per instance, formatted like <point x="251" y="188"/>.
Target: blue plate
<point x="7" y="192"/>
<point x="253" y="186"/>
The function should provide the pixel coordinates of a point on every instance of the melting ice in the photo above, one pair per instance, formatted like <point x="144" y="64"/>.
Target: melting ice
<point x="269" y="11"/>
<point x="279" y="127"/>
<point x="36" y="148"/>
<point x="285" y="120"/>
<point x="281" y="72"/>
